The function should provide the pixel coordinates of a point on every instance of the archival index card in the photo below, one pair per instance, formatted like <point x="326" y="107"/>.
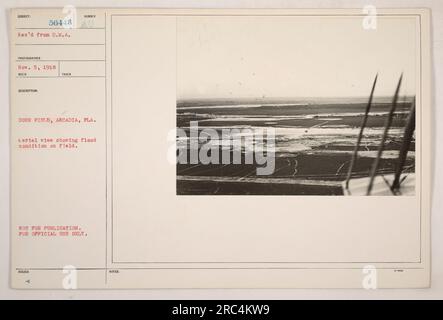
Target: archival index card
<point x="220" y="148"/>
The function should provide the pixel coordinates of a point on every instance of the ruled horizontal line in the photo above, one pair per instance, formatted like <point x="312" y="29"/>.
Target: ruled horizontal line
<point x="215" y="268"/>
<point x="55" y="60"/>
<point x="252" y="14"/>
<point x="59" y="44"/>
<point x="65" y="77"/>
<point x="36" y="28"/>
<point x="266" y="262"/>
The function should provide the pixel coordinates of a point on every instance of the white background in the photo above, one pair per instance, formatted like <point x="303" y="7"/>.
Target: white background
<point x="436" y="291"/>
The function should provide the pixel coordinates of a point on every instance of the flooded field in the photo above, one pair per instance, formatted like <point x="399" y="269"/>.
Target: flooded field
<point x="314" y="142"/>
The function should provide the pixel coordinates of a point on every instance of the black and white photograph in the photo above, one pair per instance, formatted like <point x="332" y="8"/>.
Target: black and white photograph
<point x="298" y="105"/>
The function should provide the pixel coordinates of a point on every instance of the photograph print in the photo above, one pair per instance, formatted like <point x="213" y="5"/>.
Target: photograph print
<point x="297" y="105"/>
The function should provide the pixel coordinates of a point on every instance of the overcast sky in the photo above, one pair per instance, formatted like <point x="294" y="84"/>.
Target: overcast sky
<point x="254" y="57"/>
